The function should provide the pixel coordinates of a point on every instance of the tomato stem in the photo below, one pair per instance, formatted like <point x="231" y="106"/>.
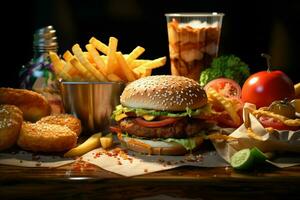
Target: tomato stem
<point x="268" y="58"/>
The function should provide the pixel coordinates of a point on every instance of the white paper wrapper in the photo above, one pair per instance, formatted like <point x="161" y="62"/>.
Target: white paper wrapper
<point x="26" y="159"/>
<point x="138" y="164"/>
<point x="282" y="141"/>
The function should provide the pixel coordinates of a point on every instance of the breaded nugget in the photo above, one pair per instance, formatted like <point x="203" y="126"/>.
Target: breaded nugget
<point x="33" y="105"/>
<point x="42" y="137"/>
<point x="70" y="121"/>
<point x="11" y="118"/>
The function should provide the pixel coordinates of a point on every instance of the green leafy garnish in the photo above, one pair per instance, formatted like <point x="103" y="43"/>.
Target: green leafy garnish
<point x="140" y="111"/>
<point x="187" y="143"/>
<point x="229" y="66"/>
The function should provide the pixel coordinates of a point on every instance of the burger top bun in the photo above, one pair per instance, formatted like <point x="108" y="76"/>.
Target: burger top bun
<point x="164" y="92"/>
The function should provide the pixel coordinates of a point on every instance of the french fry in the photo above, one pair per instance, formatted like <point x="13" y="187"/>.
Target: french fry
<point x="154" y="63"/>
<point x="137" y="63"/>
<point x="142" y="72"/>
<point x="99" y="45"/>
<point x="134" y="54"/>
<point x="106" y="141"/>
<point x="114" y="78"/>
<point x="226" y="104"/>
<point x="111" y="56"/>
<point x="104" y="58"/>
<point x="137" y="73"/>
<point x="253" y="135"/>
<point x="58" y="66"/>
<point x="126" y="70"/>
<point x="79" y="54"/>
<point x="67" y="55"/>
<point x="292" y="122"/>
<point x="83" y="71"/>
<point x="219" y="136"/>
<point x="147" y="72"/>
<point x="90" y="144"/>
<point x="89" y="57"/>
<point x="285" y="120"/>
<point x="97" y="59"/>
<point x="71" y="70"/>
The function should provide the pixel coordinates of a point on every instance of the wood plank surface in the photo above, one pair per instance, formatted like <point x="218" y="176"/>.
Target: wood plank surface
<point x="86" y="181"/>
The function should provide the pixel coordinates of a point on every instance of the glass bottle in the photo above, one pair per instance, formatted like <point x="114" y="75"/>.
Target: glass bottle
<point x="37" y="74"/>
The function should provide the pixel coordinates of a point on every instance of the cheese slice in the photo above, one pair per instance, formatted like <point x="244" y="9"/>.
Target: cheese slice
<point x="148" y="117"/>
<point x="120" y="116"/>
<point x="123" y="115"/>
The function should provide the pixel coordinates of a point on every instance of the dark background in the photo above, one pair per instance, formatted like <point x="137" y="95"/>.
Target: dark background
<point x="249" y="28"/>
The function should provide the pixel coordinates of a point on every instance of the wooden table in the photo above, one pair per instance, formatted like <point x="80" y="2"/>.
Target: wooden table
<point x="87" y="181"/>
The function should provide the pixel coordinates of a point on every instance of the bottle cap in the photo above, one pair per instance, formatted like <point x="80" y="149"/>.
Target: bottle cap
<point x="44" y="40"/>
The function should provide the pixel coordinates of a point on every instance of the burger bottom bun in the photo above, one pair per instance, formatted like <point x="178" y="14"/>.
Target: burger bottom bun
<point x="156" y="147"/>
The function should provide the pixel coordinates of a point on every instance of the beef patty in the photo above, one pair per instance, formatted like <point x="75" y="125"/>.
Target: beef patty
<point x="181" y="129"/>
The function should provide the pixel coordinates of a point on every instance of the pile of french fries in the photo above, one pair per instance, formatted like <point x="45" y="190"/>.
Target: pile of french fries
<point x="112" y="65"/>
<point x="231" y="106"/>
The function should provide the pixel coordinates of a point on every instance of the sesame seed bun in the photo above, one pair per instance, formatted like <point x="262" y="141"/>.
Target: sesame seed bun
<point x="164" y="92"/>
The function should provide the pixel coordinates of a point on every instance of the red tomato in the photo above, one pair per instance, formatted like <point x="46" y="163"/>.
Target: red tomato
<point x="226" y="87"/>
<point x="276" y="124"/>
<point x="160" y="123"/>
<point x="264" y="87"/>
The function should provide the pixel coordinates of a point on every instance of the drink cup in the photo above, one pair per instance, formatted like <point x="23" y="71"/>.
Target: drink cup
<point x="193" y="41"/>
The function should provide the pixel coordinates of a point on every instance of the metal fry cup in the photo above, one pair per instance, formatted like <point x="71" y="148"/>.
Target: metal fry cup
<point x="91" y="102"/>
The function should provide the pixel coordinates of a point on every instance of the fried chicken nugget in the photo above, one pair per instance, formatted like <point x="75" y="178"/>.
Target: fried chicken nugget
<point x="42" y="137"/>
<point x="11" y="118"/>
<point x="33" y="105"/>
<point x="70" y="121"/>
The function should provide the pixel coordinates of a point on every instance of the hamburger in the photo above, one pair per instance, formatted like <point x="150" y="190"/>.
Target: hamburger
<point x="162" y="115"/>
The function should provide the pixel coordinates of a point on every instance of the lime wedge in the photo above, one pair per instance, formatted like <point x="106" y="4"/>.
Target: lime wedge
<point x="259" y="156"/>
<point x="242" y="160"/>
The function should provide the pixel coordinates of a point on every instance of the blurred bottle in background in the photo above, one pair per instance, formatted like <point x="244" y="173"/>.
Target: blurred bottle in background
<point x="37" y="74"/>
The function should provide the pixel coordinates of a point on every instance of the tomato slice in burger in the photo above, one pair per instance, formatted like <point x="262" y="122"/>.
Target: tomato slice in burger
<point x="160" y="123"/>
<point x="226" y="87"/>
<point x="115" y="129"/>
<point x="276" y="124"/>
